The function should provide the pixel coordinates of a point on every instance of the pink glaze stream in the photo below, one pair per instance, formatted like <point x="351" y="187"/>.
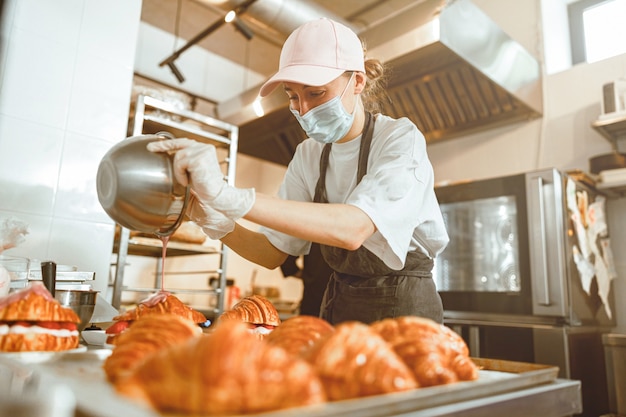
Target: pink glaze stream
<point x="155" y="299"/>
<point x="164" y="239"/>
<point x="33" y="288"/>
<point x="160" y="296"/>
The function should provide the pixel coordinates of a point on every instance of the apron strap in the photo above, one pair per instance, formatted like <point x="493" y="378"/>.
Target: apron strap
<point x="320" y="187"/>
<point x="366" y="140"/>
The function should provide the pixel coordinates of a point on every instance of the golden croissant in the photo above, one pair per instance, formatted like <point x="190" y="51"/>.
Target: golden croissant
<point x="257" y="311"/>
<point x="229" y="371"/>
<point x="254" y="309"/>
<point x="159" y="303"/>
<point x="436" y="354"/>
<point x="355" y="361"/>
<point x="147" y="335"/>
<point x="299" y="333"/>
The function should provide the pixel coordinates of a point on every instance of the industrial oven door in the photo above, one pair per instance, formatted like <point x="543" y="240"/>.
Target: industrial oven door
<point x="507" y="246"/>
<point x="485" y="268"/>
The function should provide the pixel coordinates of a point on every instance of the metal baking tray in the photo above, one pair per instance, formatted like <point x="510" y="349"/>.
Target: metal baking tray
<point x="145" y="246"/>
<point x="76" y="276"/>
<point x="495" y="377"/>
<point x="82" y="372"/>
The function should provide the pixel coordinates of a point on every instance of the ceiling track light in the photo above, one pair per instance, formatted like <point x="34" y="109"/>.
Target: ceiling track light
<point x="176" y="72"/>
<point x="232" y="15"/>
<point x="243" y="28"/>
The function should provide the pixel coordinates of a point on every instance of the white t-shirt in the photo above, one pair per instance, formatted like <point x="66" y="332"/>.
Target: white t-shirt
<point x="396" y="193"/>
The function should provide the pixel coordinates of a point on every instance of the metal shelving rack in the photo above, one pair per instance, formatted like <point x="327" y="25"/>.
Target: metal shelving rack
<point x="152" y="116"/>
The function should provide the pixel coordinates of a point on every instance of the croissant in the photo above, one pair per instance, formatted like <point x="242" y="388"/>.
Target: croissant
<point x="159" y="303"/>
<point x="257" y="311"/>
<point x="299" y="333"/>
<point x="226" y="372"/>
<point x="435" y="353"/>
<point x="33" y="320"/>
<point x="147" y="335"/>
<point x="354" y="361"/>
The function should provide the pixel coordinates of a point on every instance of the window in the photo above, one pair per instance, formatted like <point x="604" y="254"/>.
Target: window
<point x="597" y="29"/>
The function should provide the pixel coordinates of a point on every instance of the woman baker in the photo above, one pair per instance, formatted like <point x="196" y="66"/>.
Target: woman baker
<point x="361" y="186"/>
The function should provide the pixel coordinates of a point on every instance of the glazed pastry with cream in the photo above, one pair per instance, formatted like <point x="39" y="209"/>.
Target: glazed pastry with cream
<point x="33" y="320"/>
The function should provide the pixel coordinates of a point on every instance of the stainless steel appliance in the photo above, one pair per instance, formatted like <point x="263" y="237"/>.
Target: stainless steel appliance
<point x="512" y="281"/>
<point x="138" y="188"/>
<point x="614" y="97"/>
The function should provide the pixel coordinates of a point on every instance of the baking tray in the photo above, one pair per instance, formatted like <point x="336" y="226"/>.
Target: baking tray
<point x="495" y="377"/>
<point x="78" y="276"/>
<point x="82" y="372"/>
<point x="146" y="246"/>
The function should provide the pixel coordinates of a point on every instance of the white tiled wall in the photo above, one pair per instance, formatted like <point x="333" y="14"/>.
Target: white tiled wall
<point x="66" y="69"/>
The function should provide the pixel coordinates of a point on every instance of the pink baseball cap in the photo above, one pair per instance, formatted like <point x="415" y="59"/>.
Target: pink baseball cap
<point x="316" y="53"/>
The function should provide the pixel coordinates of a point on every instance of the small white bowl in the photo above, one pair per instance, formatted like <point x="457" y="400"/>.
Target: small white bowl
<point x="94" y="337"/>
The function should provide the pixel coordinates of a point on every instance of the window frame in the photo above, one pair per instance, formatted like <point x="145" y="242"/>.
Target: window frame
<point x="575" y="12"/>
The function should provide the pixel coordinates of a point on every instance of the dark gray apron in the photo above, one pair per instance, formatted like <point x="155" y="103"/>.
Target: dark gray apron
<point x="362" y="287"/>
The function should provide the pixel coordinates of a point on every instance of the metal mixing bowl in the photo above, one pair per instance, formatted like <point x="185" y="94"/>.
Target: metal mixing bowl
<point x="137" y="187"/>
<point x="83" y="302"/>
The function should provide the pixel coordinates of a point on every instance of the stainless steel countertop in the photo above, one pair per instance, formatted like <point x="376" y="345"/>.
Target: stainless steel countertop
<point x="556" y="399"/>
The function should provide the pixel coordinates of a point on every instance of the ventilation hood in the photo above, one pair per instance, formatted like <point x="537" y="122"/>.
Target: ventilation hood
<point x="453" y="71"/>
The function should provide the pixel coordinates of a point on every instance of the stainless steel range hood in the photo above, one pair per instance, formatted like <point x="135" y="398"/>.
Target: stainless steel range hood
<point x="453" y="72"/>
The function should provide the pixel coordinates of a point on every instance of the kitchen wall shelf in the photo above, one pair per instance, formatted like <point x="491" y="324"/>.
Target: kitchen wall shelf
<point x="612" y="127"/>
<point x="613" y="191"/>
<point x="612" y="182"/>
<point x="150" y="116"/>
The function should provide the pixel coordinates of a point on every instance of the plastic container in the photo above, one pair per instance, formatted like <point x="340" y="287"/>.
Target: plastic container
<point x="5" y="281"/>
<point x="615" y="361"/>
<point x="17" y="266"/>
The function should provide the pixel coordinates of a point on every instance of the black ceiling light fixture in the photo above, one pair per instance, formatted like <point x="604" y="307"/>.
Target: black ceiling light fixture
<point x="230" y="17"/>
<point x="240" y="26"/>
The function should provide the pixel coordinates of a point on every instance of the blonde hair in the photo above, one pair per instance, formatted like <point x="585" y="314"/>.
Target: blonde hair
<point x="375" y="92"/>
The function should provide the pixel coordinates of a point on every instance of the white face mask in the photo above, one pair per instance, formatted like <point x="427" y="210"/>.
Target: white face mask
<point x="328" y="122"/>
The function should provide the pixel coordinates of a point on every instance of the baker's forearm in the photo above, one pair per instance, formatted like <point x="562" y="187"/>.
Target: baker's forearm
<point x="340" y="225"/>
<point x="255" y="247"/>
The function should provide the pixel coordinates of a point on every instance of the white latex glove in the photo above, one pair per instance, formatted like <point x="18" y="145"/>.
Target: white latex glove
<point x="197" y="163"/>
<point x="214" y="224"/>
